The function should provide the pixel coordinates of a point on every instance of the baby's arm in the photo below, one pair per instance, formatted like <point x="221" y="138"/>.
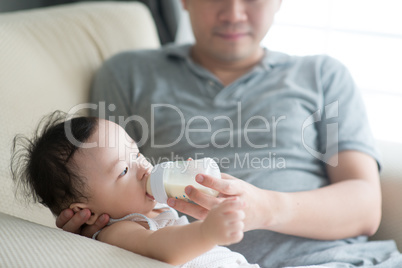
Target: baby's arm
<point x="179" y="244"/>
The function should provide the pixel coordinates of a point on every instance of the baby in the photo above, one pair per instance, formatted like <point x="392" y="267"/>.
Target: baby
<point x="87" y="162"/>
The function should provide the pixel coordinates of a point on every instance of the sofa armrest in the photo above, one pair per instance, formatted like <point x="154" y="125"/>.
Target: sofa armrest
<point x="391" y="187"/>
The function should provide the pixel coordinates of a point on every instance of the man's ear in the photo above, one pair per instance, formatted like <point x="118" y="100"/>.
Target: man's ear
<point x="77" y="207"/>
<point x="184" y="4"/>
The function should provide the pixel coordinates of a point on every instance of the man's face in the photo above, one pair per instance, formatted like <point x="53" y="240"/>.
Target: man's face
<point x="230" y="30"/>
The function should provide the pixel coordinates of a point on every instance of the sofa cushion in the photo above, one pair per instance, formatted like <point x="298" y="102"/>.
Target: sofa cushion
<point x="48" y="57"/>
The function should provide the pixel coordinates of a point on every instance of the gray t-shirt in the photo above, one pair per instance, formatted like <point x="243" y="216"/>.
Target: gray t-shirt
<point x="275" y="127"/>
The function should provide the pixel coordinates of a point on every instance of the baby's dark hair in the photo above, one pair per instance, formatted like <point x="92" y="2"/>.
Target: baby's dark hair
<point x="42" y="168"/>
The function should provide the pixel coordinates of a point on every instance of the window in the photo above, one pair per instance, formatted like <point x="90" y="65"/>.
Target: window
<point x="366" y="35"/>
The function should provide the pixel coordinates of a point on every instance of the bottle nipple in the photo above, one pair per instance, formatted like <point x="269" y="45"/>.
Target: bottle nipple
<point x="149" y="188"/>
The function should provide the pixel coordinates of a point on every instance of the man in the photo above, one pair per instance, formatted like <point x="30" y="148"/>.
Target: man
<point x="310" y="185"/>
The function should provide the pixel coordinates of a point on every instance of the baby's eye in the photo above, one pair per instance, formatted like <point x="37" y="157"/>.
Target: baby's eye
<point x="124" y="172"/>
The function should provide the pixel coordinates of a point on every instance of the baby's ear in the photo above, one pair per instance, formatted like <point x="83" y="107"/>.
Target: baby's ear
<point x="77" y="207"/>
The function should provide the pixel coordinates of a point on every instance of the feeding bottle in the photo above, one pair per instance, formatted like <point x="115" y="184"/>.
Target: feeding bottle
<point x="169" y="179"/>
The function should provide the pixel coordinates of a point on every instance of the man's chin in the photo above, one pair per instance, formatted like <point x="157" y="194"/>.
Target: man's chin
<point x="234" y="56"/>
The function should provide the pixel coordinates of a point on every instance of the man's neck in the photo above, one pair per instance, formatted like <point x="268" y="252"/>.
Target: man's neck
<point x="228" y="71"/>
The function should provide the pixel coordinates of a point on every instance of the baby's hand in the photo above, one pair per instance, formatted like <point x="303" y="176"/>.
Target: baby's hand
<point x="224" y="223"/>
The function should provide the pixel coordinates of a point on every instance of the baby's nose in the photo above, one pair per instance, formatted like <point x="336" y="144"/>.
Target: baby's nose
<point x="142" y="168"/>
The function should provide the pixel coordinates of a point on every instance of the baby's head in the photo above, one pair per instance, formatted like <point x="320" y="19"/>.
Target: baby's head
<point x="84" y="162"/>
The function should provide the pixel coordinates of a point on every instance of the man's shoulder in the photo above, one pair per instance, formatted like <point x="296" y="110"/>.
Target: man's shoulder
<point x="146" y="56"/>
<point x="132" y="57"/>
<point x="277" y="58"/>
<point x="322" y="60"/>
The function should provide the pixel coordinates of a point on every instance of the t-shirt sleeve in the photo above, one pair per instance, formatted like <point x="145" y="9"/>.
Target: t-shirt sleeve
<point x="110" y="95"/>
<point x="344" y="124"/>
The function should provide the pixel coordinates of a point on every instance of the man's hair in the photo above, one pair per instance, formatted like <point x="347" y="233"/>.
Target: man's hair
<point x="42" y="167"/>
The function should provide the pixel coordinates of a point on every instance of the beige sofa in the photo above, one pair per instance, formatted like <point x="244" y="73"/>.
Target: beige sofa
<point x="47" y="59"/>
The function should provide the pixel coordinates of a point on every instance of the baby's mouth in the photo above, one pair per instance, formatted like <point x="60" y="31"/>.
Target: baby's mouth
<point x="150" y="196"/>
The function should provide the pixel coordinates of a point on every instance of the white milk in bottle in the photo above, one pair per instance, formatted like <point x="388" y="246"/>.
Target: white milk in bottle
<point x="169" y="179"/>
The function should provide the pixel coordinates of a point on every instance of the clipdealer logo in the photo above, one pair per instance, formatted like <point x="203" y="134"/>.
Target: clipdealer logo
<point x="331" y="111"/>
<point x="331" y="146"/>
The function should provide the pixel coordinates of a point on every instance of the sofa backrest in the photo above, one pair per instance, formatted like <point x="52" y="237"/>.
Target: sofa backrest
<point x="47" y="59"/>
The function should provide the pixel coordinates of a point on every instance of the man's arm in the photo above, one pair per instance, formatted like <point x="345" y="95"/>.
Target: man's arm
<point x="349" y="206"/>
<point x="179" y="244"/>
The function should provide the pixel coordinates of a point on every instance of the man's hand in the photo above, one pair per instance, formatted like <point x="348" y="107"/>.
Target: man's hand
<point x="224" y="223"/>
<point x="75" y="223"/>
<point x="228" y="187"/>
